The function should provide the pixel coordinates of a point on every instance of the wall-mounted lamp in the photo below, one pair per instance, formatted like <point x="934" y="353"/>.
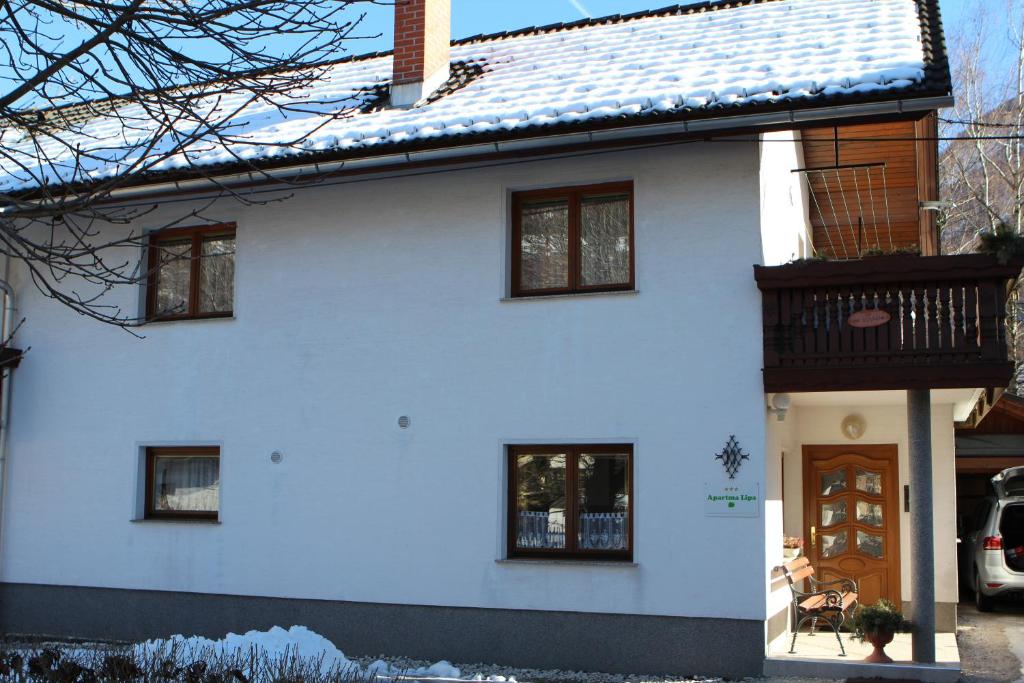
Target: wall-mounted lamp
<point x="854" y="426"/>
<point x="778" y="404"/>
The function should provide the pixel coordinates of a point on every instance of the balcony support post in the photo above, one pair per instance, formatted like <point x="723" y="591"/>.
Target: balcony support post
<point x="922" y="536"/>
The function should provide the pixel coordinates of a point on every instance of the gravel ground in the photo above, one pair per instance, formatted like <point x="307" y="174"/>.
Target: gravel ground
<point x="992" y="644"/>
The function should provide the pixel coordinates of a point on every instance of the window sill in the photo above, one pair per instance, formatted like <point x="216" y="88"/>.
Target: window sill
<point x="168" y="520"/>
<point x="525" y="562"/>
<point x="192" y="319"/>
<point x="572" y="295"/>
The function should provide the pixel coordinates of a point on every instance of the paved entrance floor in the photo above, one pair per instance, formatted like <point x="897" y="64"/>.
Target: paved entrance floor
<point x="992" y="643"/>
<point x="818" y="657"/>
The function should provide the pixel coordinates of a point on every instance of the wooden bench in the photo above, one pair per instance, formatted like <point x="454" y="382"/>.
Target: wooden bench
<point x="830" y="605"/>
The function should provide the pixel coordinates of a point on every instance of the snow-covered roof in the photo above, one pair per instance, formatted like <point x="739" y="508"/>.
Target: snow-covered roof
<point x="691" y="61"/>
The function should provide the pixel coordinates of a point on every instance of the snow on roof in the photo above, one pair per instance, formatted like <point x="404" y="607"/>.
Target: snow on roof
<point x="678" y="62"/>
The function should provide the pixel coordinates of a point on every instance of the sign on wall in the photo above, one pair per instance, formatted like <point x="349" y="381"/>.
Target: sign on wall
<point x="732" y="500"/>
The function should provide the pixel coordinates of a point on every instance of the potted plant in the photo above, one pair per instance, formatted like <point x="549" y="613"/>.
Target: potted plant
<point x="878" y="624"/>
<point x="792" y="547"/>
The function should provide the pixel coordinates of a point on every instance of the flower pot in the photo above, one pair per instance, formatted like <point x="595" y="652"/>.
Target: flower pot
<point x="879" y="639"/>
<point x="790" y="553"/>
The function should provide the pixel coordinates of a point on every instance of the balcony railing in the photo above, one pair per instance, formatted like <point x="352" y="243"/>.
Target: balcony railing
<point x="886" y="322"/>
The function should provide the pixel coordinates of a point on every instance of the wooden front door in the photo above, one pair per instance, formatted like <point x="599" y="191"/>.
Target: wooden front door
<point x="851" y="517"/>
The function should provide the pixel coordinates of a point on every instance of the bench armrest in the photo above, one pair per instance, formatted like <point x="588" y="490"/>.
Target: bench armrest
<point x="833" y="599"/>
<point x="848" y="585"/>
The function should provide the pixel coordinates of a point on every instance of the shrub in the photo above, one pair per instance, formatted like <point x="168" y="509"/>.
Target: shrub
<point x="70" y="664"/>
<point x="882" y="617"/>
<point x="1003" y="243"/>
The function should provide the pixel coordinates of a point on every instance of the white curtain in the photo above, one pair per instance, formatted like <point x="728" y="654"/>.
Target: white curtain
<point x="187" y="484"/>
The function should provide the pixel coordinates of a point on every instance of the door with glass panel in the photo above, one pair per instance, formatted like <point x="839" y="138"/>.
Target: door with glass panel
<point x="851" y="517"/>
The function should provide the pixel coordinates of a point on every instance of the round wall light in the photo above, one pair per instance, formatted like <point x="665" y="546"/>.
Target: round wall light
<point x="276" y="457"/>
<point x="403" y="422"/>
<point x="854" y="426"/>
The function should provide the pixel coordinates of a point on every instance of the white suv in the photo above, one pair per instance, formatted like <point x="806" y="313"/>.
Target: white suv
<point x="994" y="552"/>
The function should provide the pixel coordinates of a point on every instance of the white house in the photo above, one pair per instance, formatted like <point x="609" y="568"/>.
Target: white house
<point x="504" y="386"/>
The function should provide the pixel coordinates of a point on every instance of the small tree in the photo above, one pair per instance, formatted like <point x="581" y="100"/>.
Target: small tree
<point x="982" y="169"/>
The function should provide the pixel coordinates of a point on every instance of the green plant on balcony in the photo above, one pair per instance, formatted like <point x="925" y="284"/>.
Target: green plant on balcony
<point x="1003" y="243"/>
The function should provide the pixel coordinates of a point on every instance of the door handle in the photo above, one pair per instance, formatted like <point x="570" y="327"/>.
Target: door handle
<point x="814" y="536"/>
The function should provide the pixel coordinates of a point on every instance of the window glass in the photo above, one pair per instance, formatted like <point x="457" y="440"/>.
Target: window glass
<point x="833" y="513"/>
<point x="192" y="272"/>
<point x="172" y="277"/>
<point x="217" y="275"/>
<point x="185" y="483"/>
<point x="870" y="544"/>
<point x="540" y="501"/>
<point x="869" y="513"/>
<point x="544" y="245"/>
<point x="604" y="240"/>
<point x="573" y="239"/>
<point x="869" y="482"/>
<point x="570" y="501"/>
<point x="833" y="482"/>
<point x="833" y="545"/>
<point x="603" y="501"/>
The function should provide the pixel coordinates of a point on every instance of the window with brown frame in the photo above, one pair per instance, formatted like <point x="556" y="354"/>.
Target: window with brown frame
<point x="575" y="239"/>
<point x="191" y="273"/>
<point x="183" y="482"/>
<point x="570" y="501"/>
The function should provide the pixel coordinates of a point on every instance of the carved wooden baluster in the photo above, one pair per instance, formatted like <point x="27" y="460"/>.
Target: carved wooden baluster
<point x="932" y="315"/>
<point x="972" y="330"/>
<point x="885" y="333"/>
<point x="943" y="326"/>
<point x="991" y="322"/>
<point x="834" y="346"/>
<point x="820" y="325"/>
<point x="957" y="304"/>
<point x="772" y="329"/>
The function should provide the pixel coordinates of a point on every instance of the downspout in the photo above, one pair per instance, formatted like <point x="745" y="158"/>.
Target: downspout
<point x="5" y="388"/>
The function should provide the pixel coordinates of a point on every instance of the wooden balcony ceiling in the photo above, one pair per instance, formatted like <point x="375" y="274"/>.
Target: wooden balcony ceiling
<point x="865" y="207"/>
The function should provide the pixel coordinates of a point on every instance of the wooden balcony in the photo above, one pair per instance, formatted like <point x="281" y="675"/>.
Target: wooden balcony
<point x="886" y="322"/>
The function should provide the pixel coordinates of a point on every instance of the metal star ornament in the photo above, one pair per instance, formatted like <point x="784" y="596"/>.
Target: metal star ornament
<point x="732" y="456"/>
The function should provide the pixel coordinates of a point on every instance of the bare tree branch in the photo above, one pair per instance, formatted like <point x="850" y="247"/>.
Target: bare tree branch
<point x="172" y="79"/>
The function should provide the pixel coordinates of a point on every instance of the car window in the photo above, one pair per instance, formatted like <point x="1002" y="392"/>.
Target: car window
<point x="1011" y="526"/>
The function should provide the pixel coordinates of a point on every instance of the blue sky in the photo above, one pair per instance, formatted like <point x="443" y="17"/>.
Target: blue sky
<point x="470" y="17"/>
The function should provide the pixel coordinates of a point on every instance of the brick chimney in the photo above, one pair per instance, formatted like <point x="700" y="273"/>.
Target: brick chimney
<point x="423" y="33"/>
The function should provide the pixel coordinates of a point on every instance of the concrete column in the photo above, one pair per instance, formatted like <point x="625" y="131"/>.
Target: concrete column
<point x="922" y="530"/>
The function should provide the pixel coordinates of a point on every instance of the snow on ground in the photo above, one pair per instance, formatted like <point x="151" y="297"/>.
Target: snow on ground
<point x="277" y="643"/>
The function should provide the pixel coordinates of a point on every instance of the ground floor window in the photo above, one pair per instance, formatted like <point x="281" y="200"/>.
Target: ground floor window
<point x="572" y="501"/>
<point x="183" y="482"/>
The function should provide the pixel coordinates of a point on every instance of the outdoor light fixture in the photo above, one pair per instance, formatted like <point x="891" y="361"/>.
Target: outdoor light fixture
<point x="778" y="404"/>
<point x="854" y="426"/>
<point x="934" y="206"/>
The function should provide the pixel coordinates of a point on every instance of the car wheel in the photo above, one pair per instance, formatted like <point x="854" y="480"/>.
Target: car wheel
<point x="983" y="602"/>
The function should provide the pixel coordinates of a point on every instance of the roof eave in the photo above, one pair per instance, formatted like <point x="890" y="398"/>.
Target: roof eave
<point x="613" y="136"/>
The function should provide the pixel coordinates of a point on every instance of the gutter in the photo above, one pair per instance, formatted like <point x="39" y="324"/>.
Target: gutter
<point x="385" y="162"/>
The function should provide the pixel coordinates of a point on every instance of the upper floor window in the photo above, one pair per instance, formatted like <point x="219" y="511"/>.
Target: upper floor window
<point x="576" y="239"/>
<point x="191" y="273"/>
<point x="572" y="501"/>
<point x="183" y="482"/>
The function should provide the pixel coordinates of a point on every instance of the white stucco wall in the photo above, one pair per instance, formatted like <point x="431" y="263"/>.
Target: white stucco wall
<point x="360" y="302"/>
<point x="886" y="424"/>
<point x="785" y="222"/>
